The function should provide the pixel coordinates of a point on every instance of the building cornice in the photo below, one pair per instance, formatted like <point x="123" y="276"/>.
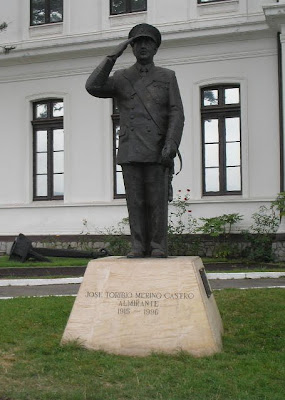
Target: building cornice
<point x="164" y="62"/>
<point x="275" y="15"/>
<point x="60" y="47"/>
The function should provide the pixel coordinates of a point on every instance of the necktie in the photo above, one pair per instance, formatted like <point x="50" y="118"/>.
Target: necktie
<point x="143" y="71"/>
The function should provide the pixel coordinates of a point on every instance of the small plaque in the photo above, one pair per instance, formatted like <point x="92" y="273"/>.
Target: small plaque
<point x="205" y="281"/>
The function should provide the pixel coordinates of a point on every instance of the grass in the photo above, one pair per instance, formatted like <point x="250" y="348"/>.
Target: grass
<point x="55" y="262"/>
<point x="69" y="262"/>
<point x="33" y="366"/>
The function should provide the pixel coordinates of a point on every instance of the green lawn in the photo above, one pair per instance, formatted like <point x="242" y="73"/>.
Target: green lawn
<point x="71" y="262"/>
<point x="33" y="366"/>
<point x="55" y="262"/>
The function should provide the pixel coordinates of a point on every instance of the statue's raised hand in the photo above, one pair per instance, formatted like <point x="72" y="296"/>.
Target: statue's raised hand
<point x="118" y="51"/>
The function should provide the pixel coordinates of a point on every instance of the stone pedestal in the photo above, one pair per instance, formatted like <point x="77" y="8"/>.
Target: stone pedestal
<point x="138" y="306"/>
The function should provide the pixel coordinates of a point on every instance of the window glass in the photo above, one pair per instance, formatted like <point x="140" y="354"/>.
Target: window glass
<point x="42" y="163"/>
<point x="138" y="5"/>
<point x="118" y="6"/>
<point x="58" y="140"/>
<point x="210" y="98"/>
<point x="120" y="184"/>
<point x="211" y="128"/>
<point x="212" y="180"/>
<point x="41" y="141"/>
<point x="58" y="185"/>
<point x="58" y="162"/>
<point x="232" y="154"/>
<point x="41" y="111"/>
<point x="56" y="10"/>
<point x="38" y="12"/>
<point x="211" y="155"/>
<point x="233" y="179"/>
<point x="232" y="129"/>
<point x="57" y="109"/>
<point x="41" y="186"/>
<point x="232" y="96"/>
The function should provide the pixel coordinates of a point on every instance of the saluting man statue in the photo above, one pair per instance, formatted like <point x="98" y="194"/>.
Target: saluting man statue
<point x="151" y="124"/>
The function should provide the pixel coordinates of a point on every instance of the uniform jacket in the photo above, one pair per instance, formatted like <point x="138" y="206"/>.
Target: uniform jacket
<point x="151" y="110"/>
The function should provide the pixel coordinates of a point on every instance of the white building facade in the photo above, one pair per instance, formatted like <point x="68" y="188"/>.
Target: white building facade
<point x="57" y="150"/>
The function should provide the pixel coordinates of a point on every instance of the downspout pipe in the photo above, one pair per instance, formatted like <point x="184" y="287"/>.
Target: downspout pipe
<point x="281" y="114"/>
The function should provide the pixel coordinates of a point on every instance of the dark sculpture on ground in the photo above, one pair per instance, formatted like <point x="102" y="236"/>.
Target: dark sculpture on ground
<point x="22" y="250"/>
<point x="151" y="124"/>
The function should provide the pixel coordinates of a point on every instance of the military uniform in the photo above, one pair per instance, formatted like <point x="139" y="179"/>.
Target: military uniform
<point x="151" y="114"/>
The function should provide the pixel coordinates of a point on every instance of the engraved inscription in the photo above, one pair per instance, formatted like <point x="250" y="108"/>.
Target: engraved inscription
<point x="145" y="303"/>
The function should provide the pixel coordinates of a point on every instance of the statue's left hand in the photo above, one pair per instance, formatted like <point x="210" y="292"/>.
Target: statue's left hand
<point x="168" y="152"/>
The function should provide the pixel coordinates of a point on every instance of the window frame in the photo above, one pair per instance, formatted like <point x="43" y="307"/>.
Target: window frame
<point x="128" y="8"/>
<point x="220" y="112"/>
<point x="47" y="14"/>
<point x="49" y="124"/>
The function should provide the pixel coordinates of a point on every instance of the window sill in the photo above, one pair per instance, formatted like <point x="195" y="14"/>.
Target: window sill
<point x="64" y="204"/>
<point x="218" y="7"/>
<point x="127" y="19"/>
<point x="222" y="198"/>
<point x="46" y="29"/>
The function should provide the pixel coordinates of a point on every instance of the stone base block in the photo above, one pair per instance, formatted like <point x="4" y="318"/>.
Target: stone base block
<point x="138" y="306"/>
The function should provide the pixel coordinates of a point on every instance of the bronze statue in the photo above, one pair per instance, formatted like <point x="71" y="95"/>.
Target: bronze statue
<point x="151" y="124"/>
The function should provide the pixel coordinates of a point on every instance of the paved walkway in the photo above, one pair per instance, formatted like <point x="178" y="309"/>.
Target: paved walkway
<point x="69" y="286"/>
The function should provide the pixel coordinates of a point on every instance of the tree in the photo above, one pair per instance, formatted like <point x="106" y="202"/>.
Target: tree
<point x="3" y="26"/>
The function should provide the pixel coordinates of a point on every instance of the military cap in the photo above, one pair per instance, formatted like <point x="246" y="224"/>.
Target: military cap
<point x="147" y="30"/>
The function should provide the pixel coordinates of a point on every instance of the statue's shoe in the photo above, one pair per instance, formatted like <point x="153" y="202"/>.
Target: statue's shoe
<point x="135" y="254"/>
<point x="157" y="253"/>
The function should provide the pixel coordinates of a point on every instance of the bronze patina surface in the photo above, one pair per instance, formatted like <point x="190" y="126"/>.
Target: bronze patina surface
<point x="151" y="125"/>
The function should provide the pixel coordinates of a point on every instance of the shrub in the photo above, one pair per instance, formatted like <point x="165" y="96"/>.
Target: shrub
<point x="260" y="234"/>
<point x="180" y="223"/>
<point x="219" y="228"/>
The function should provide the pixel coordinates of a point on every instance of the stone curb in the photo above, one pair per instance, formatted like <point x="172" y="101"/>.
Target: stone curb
<point x="39" y="282"/>
<point x="64" y="281"/>
<point x="245" y="275"/>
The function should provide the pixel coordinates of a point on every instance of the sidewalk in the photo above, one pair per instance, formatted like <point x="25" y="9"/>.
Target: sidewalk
<point x="10" y="288"/>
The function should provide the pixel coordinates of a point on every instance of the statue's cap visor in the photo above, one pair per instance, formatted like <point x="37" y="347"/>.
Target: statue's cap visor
<point x="145" y="30"/>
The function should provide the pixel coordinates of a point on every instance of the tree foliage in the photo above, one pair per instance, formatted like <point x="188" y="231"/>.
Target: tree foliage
<point x="3" y="26"/>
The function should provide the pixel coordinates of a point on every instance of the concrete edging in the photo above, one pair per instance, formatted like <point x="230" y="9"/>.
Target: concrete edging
<point x="64" y="281"/>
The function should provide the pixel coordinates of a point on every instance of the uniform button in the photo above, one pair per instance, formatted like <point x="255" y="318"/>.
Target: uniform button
<point x="132" y="117"/>
<point x="132" y="128"/>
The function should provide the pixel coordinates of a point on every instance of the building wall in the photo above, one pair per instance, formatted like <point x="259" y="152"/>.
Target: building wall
<point x="206" y="44"/>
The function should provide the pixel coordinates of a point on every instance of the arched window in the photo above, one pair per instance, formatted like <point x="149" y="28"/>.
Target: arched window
<point x="119" y="188"/>
<point x="221" y="139"/>
<point x="48" y="150"/>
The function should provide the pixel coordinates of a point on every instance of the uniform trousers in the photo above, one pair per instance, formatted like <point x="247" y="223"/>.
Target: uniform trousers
<point x="146" y="187"/>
